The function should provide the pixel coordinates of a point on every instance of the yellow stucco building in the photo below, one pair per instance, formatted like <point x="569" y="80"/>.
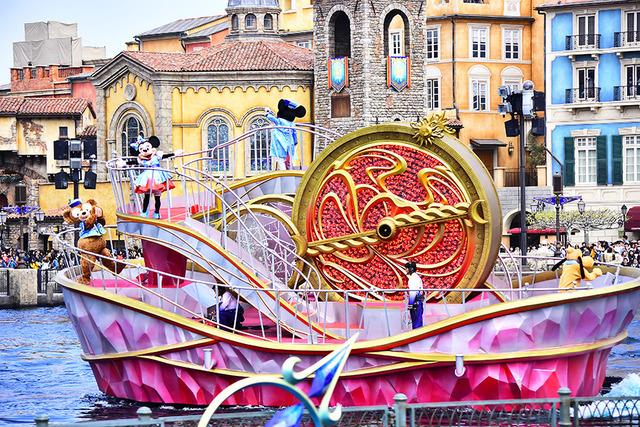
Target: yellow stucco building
<point x="196" y="101"/>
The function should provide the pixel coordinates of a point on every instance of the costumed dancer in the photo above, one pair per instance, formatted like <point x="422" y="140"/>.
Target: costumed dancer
<point x="284" y="140"/>
<point x="416" y="296"/>
<point x="152" y="180"/>
<point x="89" y="216"/>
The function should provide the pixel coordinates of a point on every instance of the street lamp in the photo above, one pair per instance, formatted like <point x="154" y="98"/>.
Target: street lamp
<point x="39" y="215"/>
<point x="581" y="206"/>
<point x="624" y="211"/>
<point x="557" y="192"/>
<point x="3" y="227"/>
<point x="521" y="105"/>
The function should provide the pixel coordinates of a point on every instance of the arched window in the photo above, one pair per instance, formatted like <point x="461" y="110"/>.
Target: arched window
<point x="479" y="81"/>
<point x="513" y="77"/>
<point x="130" y="129"/>
<point x="396" y="36"/>
<point x="340" y="35"/>
<point x="250" y="22"/>
<point x="218" y="133"/>
<point x="268" y="22"/>
<point x="234" y="22"/>
<point x="260" y="146"/>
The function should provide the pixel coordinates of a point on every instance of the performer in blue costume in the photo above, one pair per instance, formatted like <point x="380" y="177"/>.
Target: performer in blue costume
<point x="416" y="295"/>
<point x="284" y="141"/>
<point x="152" y="180"/>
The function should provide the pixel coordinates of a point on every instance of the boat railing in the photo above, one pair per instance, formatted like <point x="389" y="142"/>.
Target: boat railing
<point x="203" y="193"/>
<point x="252" y="233"/>
<point x="338" y="312"/>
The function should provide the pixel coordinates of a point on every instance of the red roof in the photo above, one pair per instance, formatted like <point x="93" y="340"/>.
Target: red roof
<point x="231" y="56"/>
<point x="43" y="106"/>
<point x="90" y="130"/>
<point x="10" y="105"/>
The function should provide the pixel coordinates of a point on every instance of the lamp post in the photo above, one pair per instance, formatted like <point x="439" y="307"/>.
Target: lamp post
<point x="3" y="227"/>
<point x="581" y="206"/>
<point x="557" y="192"/>
<point x="21" y="210"/>
<point x="521" y="105"/>
<point x="624" y="211"/>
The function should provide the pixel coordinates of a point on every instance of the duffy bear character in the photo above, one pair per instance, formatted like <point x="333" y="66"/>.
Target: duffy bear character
<point x="574" y="271"/>
<point x="284" y="139"/>
<point x="90" y="218"/>
<point x="152" y="180"/>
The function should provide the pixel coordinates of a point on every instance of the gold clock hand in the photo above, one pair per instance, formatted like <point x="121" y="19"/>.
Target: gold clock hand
<point x="388" y="227"/>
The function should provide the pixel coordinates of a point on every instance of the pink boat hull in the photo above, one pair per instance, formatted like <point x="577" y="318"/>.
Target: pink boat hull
<point x="522" y="349"/>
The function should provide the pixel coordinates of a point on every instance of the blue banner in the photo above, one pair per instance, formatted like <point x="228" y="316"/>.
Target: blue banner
<point x="338" y="73"/>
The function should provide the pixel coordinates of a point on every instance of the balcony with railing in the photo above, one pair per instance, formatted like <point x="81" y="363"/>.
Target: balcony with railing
<point x="582" y="42"/>
<point x="626" y="39"/>
<point x="510" y="177"/>
<point x="626" y="93"/>
<point x="582" y="95"/>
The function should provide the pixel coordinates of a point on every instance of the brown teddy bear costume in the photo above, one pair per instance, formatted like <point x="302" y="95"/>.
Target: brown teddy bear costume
<point x="89" y="217"/>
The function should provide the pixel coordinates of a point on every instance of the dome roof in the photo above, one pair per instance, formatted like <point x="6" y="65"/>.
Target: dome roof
<point x="253" y="3"/>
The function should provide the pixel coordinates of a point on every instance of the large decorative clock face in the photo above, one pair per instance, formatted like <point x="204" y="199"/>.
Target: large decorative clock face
<point x="375" y="201"/>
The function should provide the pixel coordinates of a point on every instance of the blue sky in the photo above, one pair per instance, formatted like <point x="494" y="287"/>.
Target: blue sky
<point x="109" y="23"/>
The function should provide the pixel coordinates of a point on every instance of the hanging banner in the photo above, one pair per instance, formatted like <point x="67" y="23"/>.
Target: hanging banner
<point x="338" y="73"/>
<point x="398" y="72"/>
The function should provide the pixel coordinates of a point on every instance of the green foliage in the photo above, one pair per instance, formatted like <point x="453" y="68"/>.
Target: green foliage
<point x="593" y="219"/>
<point x="537" y="153"/>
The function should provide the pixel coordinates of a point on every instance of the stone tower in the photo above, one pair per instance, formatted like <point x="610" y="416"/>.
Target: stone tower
<point x="251" y="19"/>
<point x="368" y="34"/>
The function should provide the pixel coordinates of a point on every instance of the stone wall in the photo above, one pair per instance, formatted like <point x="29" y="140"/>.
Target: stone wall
<point x="372" y="101"/>
<point x="23" y="288"/>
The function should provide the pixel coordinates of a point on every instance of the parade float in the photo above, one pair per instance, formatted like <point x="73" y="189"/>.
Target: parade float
<point x="314" y="257"/>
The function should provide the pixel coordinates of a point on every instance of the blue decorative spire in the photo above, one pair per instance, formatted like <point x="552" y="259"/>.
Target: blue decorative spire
<point x="287" y="417"/>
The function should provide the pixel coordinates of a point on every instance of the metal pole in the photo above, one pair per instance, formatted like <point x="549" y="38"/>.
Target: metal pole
<point x="76" y="195"/>
<point x="558" y="252"/>
<point x="565" y="407"/>
<point x="523" y="198"/>
<point x="400" y="408"/>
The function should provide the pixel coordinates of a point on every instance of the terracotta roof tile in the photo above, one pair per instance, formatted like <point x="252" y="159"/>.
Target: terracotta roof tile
<point x="90" y="130"/>
<point x="160" y="61"/>
<point x="231" y="56"/>
<point x="53" y="106"/>
<point x="10" y="105"/>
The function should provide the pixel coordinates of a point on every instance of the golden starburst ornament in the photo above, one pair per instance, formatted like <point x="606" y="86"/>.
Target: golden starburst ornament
<point x="430" y="128"/>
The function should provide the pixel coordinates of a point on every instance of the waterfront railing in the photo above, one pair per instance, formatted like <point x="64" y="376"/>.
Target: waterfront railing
<point x="563" y="411"/>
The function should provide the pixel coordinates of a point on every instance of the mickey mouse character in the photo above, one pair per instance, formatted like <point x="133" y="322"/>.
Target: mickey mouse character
<point x="152" y="179"/>
<point x="284" y="141"/>
<point x="91" y="220"/>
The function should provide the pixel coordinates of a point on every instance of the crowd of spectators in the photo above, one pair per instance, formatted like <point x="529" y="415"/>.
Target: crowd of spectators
<point x="11" y="258"/>
<point x="49" y="260"/>
<point x="624" y="252"/>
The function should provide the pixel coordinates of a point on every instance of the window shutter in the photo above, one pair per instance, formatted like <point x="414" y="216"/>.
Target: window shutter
<point x="569" y="162"/>
<point x="616" y="142"/>
<point x="602" y="161"/>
